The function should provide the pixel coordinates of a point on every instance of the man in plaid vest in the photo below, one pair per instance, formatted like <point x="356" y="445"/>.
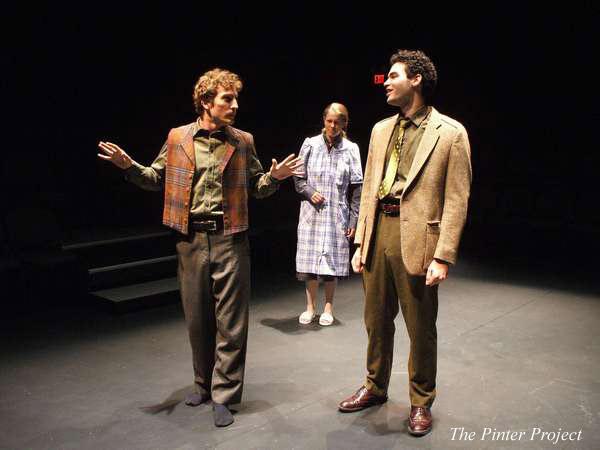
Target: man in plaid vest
<point x="207" y="169"/>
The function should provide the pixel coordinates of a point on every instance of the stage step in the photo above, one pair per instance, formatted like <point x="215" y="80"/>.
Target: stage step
<point x="140" y="295"/>
<point x="128" y="273"/>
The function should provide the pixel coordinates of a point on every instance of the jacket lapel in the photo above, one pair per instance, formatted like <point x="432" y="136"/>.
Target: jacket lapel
<point x="380" y="148"/>
<point x="426" y="146"/>
<point x="230" y="147"/>
<point x="188" y="144"/>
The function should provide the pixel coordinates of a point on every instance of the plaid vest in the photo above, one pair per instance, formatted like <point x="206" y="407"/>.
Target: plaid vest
<point x="180" y="167"/>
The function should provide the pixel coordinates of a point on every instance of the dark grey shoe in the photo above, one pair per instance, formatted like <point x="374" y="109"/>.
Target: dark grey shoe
<point x="222" y="415"/>
<point x="195" y="399"/>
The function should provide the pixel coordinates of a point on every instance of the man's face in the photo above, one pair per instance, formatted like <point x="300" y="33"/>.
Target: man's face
<point x="223" y="108"/>
<point x="400" y="89"/>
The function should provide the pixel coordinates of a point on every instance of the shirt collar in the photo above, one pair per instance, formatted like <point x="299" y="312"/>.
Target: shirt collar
<point x="418" y="116"/>
<point x="336" y="141"/>
<point x="223" y="133"/>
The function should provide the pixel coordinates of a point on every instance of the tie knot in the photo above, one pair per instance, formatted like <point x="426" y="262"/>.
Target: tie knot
<point x="404" y="123"/>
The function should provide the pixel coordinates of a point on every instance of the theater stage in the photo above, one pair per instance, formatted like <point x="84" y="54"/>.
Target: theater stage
<point x="518" y="351"/>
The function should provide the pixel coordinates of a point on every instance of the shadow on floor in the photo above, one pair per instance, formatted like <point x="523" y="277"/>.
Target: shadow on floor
<point x="169" y="403"/>
<point x="290" y="325"/>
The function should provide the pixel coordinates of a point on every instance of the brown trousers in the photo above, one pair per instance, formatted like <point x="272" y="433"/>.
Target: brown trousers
<point x="214" y="280"/>
<point x="386" y="283"/>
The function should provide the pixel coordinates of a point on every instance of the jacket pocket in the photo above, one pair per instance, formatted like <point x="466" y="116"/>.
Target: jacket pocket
<point x="433" y="227"/>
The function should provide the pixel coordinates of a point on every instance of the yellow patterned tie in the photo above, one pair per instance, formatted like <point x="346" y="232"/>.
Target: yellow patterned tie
<point x="392" y="168"/>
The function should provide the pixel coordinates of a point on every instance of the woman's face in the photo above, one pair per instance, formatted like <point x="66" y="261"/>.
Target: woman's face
<point x="333" y="124"/>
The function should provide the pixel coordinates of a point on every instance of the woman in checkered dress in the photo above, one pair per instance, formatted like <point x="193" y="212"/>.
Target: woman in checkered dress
<point x="332" y="175"/>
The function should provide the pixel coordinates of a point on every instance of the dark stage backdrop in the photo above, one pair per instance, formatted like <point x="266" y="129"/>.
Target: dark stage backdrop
<point x="519" y="79"/>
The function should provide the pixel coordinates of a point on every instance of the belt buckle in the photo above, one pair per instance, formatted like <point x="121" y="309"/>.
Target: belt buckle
<point x="211" y="225"/>
<point x="390" y="209"/>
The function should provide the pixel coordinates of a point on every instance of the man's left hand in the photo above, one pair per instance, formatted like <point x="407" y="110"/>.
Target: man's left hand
<point x="288" y="167"/>
<point x="436" y="273"/>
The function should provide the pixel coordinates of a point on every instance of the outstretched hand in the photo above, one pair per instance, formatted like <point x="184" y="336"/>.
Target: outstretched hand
<point x="288" y="167"/>
<point x="115" y="154"/>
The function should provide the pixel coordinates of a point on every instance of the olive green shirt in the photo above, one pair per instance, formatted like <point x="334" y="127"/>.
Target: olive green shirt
<point x="410" y="142"/>
<point x="207" y="190"/>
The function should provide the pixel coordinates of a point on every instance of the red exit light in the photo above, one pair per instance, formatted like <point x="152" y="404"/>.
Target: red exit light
<point x="379" y="79"/>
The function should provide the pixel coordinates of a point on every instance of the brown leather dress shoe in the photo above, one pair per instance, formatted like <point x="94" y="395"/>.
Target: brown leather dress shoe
<point x="362" y="399"/>
<point x="419" y="421"/>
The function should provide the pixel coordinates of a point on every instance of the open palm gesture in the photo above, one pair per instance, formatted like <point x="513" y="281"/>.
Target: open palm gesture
<point x="115" y="154"/>
<point x="288" y="167"/>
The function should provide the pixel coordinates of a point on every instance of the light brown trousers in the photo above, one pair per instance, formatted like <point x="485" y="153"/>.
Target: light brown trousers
<point x="387" y="285"/>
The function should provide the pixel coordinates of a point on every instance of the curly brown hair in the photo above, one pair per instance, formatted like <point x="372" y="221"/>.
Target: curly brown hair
<point x="205" y="89"/>
<point x="417" y="62"/>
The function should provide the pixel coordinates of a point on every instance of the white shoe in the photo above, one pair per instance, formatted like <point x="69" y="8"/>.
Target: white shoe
<point x="326" y="319"/>
<point x="306" y="317"/>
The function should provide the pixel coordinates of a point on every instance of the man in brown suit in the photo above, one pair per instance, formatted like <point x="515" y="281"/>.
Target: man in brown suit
<point x="207" y="169"/>
<point x="412" y="211"/>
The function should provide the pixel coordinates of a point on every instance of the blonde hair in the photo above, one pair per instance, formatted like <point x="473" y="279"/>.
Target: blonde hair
<point x="341" y="111"/>
<point x="205" y="89"/>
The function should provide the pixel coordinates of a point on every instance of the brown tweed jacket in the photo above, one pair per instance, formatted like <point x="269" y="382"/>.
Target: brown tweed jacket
<point x="180" y="168"/>
<point x="433" y="206"/>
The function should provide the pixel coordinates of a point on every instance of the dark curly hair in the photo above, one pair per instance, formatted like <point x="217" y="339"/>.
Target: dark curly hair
<point x="417" y="62"/>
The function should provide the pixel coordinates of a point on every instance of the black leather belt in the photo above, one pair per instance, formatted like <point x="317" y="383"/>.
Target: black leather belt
<point x="390" y="208"/>
<point x="212" y="224"/>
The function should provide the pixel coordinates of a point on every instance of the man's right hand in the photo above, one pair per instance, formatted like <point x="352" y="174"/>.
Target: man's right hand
<point x="357" y="266"/>
<point x="317" y="198"/>
<point x="115" y="154"/>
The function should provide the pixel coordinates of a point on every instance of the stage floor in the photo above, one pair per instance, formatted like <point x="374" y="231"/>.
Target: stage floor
<point x="518" y="351"/>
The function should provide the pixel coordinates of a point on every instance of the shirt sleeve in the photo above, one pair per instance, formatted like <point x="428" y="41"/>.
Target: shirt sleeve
<point x="261" y="184"/>
<point x="356" y="179"/>
<point x="355" y="191"/>
<point x="301" y="183"/>
<point x="356" y="174"/>
<point x="149" y="178"/>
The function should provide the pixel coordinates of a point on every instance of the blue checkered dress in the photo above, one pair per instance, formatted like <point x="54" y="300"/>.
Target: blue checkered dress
<point x="323" y="248"/>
